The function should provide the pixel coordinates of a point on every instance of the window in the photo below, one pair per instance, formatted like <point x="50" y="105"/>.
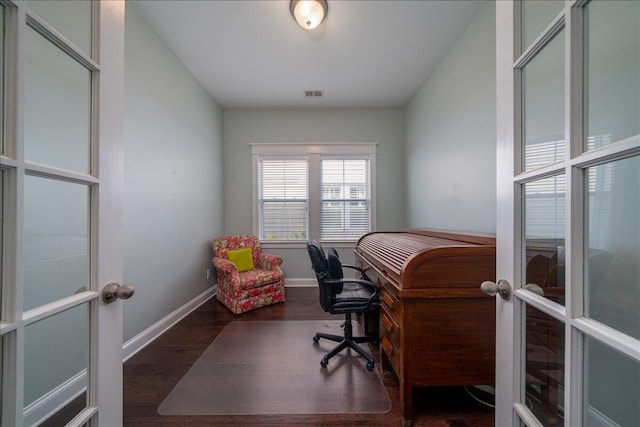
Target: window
<point x="307" y="192"/>
<point x="345" y="199"/>
<point x="282" y="199"/>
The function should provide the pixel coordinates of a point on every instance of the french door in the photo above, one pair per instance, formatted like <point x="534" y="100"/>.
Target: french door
<point x="568" y="91"/>
<point x="61" y="177"/>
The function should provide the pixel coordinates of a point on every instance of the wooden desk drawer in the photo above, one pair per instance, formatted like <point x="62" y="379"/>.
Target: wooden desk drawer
<point x="390" y="338"/>
<point x="391" y="303"/>
<point x="389" y="328"/>
<point x="393" y="354"/>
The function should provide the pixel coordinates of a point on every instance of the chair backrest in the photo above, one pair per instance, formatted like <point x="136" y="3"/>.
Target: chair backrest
<point x="228" y="243"/>
<point x="334" y="264"/>
<point x="318" y="260"/>
<point x="321" y="268"/>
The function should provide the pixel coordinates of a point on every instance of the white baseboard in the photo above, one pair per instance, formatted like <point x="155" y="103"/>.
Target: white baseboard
<point x="300" y="283"/>
<point x="145" y="337"/>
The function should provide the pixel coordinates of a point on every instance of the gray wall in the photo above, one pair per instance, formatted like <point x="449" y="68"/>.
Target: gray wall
<point x="451" y="136"/>
<point x="173" y="179"/>
<point x="244" y="127"/>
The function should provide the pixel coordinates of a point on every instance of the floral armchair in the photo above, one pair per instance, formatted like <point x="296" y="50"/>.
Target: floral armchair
<point x="256" y="287"/>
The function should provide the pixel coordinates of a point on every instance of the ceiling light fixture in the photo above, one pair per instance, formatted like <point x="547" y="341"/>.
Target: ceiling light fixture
<point x="309" y="13"/>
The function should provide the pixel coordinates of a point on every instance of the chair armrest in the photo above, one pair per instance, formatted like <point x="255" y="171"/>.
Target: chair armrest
<point x="358" y="269"/>
<point x="268" y="261"/>
<point x="224" y="265"/>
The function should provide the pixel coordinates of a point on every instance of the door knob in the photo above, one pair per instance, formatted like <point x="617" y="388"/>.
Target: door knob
<point x="114" y="291"/>
<point x="502" y="288"/>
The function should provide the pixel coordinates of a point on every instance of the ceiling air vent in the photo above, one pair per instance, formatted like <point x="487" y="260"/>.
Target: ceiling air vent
<point x="312" y="93"/>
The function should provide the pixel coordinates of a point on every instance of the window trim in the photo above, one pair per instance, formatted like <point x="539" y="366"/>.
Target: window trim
<point x="314" y="153"/>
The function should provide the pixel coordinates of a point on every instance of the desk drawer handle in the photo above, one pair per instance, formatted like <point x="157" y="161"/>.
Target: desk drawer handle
<point x="387" y="347"/>
<point x="388" y="301"/>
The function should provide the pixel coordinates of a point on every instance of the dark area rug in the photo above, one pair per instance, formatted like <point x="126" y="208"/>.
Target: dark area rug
<point x="273" y="367"/>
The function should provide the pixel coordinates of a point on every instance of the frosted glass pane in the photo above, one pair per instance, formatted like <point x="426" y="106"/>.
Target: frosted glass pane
<point x="612" y="263"/>
<point x="543" y="106"/>
<point x="612" y="77"/>
<point x="71" y="18"/>
<point x="611" y="387"/>
<point x="56" y="240"/>
<point x="57" y="106"/>
<point x="544" y="225"/>
<point x="536" y="16"/>
<point x="543" y="375"/>
<point x="56" y="350"/>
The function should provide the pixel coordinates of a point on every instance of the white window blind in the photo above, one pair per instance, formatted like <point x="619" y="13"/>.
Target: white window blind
<point x="543" y="153"/>
<point x="345" y="212"/>
<point x="545" y="198"/>
<point x="545" y="207"/>
<point x="283" y="199"/>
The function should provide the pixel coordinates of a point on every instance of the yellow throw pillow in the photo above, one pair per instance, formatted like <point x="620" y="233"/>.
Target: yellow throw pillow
<point x="242" y="258"/>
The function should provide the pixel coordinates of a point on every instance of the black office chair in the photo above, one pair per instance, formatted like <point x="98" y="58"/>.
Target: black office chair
<point x="339" y="295"/>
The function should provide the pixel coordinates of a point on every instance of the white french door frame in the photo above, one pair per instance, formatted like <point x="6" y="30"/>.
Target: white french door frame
<point x="510" y="242"/>
<point x="106" y="65"/>
<point x="506" y="331"/>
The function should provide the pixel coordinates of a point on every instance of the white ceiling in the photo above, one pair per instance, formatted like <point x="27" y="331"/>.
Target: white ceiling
<point x="366" y="54"/>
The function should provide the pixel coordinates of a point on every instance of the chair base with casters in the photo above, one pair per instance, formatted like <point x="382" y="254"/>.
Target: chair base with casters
<point x="346" y="341"/>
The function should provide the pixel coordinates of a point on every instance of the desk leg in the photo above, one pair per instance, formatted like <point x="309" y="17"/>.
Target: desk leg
<point x="406" y="402"/>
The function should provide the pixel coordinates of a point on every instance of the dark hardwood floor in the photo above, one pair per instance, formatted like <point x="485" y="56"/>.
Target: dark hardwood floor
<point x="152" y="373"/>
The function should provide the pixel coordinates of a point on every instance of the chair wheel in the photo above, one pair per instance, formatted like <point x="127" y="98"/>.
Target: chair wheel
<point x="370" y="366"/>
<point x="316" y="339"/>
<point x="324" y="362"/>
